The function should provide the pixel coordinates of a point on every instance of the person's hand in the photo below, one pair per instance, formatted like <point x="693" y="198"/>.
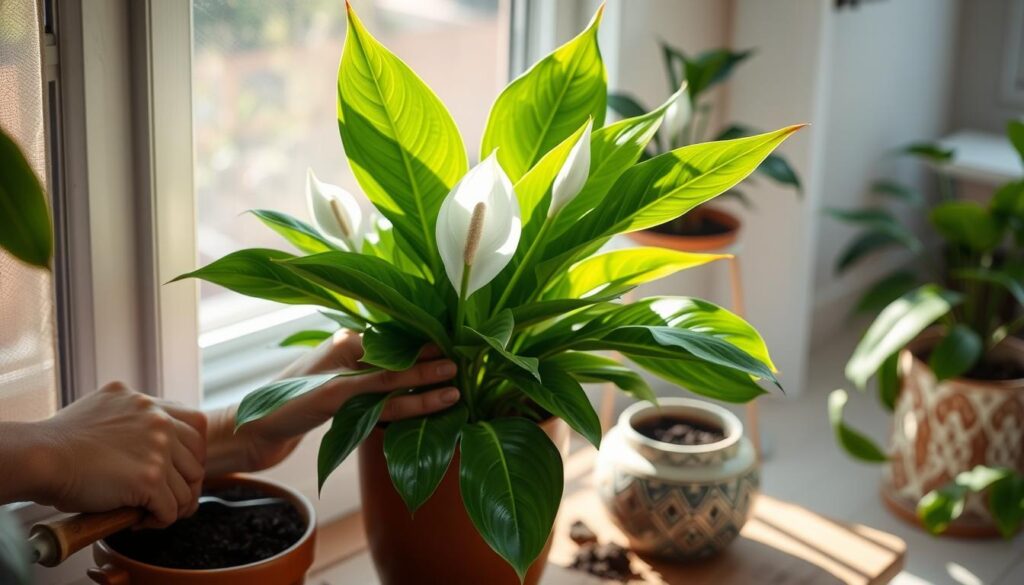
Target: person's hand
<point x="265" y="442"/>
<point x="117" y="448"/>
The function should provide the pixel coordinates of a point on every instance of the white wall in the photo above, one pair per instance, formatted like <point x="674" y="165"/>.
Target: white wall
<point x="979" y="102"/>
<point x="890" y="77"/>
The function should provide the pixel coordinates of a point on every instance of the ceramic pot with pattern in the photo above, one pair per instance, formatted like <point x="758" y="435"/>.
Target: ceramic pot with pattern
<point x="941" y="428"/>
<point x="683" y="502"/>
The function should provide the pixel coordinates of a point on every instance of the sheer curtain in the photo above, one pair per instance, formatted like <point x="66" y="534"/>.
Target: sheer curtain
<point x="28" y="387"/>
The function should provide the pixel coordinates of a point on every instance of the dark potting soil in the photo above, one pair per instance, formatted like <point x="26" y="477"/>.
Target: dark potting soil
<point x="608" y="561"/>
<point x="700" y="225"/>
<point x="679" y="431"/>
<point x="988" y="370"/>
<point x="216" y="536"/>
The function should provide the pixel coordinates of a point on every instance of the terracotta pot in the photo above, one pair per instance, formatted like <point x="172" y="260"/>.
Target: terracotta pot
<point x="708" y="243"/>
<point x="439" y="544"/>
<point x="943" y="428"/>
<point x="286" y="568"/>
<point x="682" y="502"/>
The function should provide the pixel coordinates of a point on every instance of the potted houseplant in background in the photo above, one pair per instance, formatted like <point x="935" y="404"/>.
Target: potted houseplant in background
<point x="498" y="267"/>
<point x="950" y="369"/>
<point x="687" y="121"/>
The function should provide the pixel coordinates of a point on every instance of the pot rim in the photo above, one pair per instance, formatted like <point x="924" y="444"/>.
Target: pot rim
<point x="930" y="336"/>
<point x="297" y="499"/>
<point x="730" y="423"/>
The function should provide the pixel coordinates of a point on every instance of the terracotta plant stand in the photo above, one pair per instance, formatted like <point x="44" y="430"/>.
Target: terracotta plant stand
<point x="439" y="544"/>
<point x="286" y="568"/>
<point x="943" y="428"/>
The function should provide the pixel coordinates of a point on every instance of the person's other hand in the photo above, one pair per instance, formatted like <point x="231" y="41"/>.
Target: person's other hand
<point x="265" y="442"/>
<point x="117" y="448"/>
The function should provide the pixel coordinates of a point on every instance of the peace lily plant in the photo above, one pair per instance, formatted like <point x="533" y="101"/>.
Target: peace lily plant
<point x="499" y="266"/>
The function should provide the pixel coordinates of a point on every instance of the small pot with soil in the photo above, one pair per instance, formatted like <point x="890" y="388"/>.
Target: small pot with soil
<point x="703" y="229"/>
<point x="942" y="428"/>
<point x="678" y="478"/>
<point x="219" y="545"/>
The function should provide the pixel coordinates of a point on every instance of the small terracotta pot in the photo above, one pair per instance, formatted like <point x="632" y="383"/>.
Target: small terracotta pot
<point x="439" y="544"/>
<point x="681" y="502"/>
<point x="694" y="243"/>
<point x="942" y="428"/>
<point x="288" y="567"/>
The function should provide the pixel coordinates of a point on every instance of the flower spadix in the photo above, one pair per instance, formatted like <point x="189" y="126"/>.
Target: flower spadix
<point x="573" y="175"/>
<point x="678" y="115"/>
<point x="335" y="212"/>
<point x="478" y="226"/>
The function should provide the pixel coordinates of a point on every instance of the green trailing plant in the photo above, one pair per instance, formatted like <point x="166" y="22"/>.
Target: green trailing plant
<point x="973" y="295"/>
<point x="499" y="266"/>
<point x="689" y="113"/>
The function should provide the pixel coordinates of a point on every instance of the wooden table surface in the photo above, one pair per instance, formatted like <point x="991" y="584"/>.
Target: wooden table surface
<point x="781" y="544"/>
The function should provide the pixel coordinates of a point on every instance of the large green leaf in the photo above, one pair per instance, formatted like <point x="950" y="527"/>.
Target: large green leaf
<point x="269" y="397"/>
<point x="391" y="347"/>
<point x="590" y="368"/>
<point x="621" y="270"/>
<point x="404" y="298"/>
<point x="1006" y="503"/>
<point x="350" y="426"/>
<point x="968" y="224"/>
<point x="526" y="364"/>
<point x="885" y="291"/>
<point x="889" y="381"/>
<point x="418" y="451"/>
<point x="855" y="443"/>
<point x="533" y="190"/>
<point x="1006" y="279"/>
<point x="710" y="68"/>
<point x="940" y="507"/>
<point x="774" y="166"/>
<point x="298" y="233"/>
<point x="548" y="103"/>
<point x="511" y="481"/>
<point x="671" y="184"/>
<point x="957" y="352"/>
<point x="401" y="142"/>
<point x="561" y="395"/>
<point x="384" y="243"/>
<point x="256" y="272"/>
<point x="896" y="326"/>
<point x="26" y="220"/>
<point x="713" y="381"/>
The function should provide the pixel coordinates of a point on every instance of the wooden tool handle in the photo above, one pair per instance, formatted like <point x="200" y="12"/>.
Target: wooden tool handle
<point x="62" y="538"/>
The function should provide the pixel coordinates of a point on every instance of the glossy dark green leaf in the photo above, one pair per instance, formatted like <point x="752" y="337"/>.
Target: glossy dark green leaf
<point x="527" y="364"/>
<point x="543" y="106"/>
<point x="885" y="291"/>
<point x="391" y="348"/>
<point x="1006" y="503"/>
<point x="533" y="313"/>
<point x="940" y="507"/>
<point x="889" y="381"/>
<point x="711" y="68"/>
<point x="896" y="326"/>
<point x="778" y="169"/>
<point x="957" y="352"/>
<point x="1010" y="282"/>
<point x="853" y="442"/>
<point x="25" y="232"/>
<point x="561" y="395"/>
<point x="710" y="380"/>
<point x="419" y="450"/>
<point x="929" y="151"/>
<point x="590" y="368"/>
<point x="256" y="272"/>
<point x="894" y="190"/>
<point x="298" y="233"/>
<point x="308" y="338"/>
<point x="625" y="105"/>
<point x="967" y="223"/>
<point x="511" y="481"/>
<point x="269" y="397"/>
<point x="350" y="426"/>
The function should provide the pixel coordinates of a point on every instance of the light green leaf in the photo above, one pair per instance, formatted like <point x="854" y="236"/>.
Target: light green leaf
<point x="710" y="380"/>
<point x="956" y="353"/>
<point x="419" y="450"/>
<point x="896" y="326"/>
<point x="855" y="443"/>
<point x="346" y="321"/>
<point x="26" y="220"/>
<point x="621" y="270"/>
<point x="269" y="397"/>
<point x="256" y="272"/>
<point x="774" y="166"/>
<point x="401" y="142"/>
<point x="940" y="507"/>
<point x="511" y="481"/>
<point x="885" y="291"/>
<point x="533" y="190"/>
<point x="298" y="233"/>
<point x="968" y="224"/>
<point x="350" y="426"/>
<point x="589" y="368"/>
<point x="533" y="313"/>
<point x="548" y="103"/>
<point x="391" y="347"/>
<point x="561" y="395"/>
<point x="309" y="338"/>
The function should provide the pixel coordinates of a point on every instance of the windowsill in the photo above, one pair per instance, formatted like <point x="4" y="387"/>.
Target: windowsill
<point x="982" y="157"/>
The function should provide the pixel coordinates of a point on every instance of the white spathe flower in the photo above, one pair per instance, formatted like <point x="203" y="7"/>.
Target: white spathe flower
<point x="573" y="175"/>
<point x="678" y="114"/>
<point x="478" y="226"/>
<point x="335" y="212"/>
